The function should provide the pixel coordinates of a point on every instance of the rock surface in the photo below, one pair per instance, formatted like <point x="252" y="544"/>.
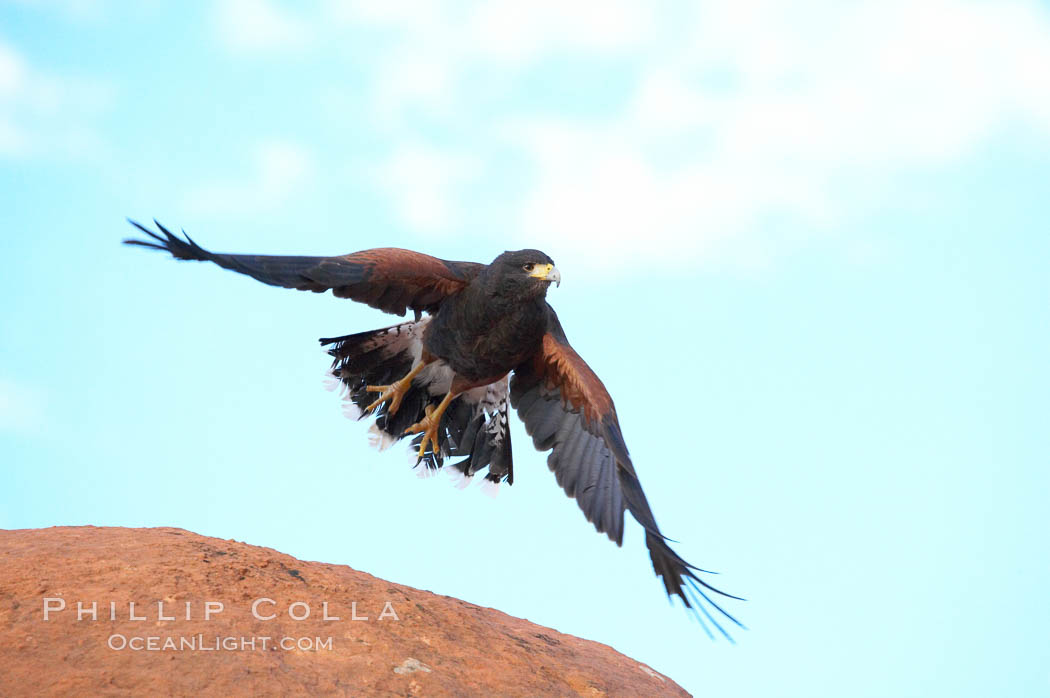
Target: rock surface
<point x="412" y="643"/>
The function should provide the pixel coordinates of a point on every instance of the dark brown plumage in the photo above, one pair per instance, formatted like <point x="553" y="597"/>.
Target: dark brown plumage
<point x="488" y="338"/>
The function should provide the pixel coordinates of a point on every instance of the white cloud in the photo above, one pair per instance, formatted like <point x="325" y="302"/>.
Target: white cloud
<point x="739" y="111"/>
<point x="76" y="10"/>
<point x="875" y="83"/>
<point x="21" y="407"/>
<point x="505" y="31"/>
<point x="517" y="32"/>
<point x="12" y="75"/>
<point x="437" y="43"/>
<point x="12" y="71"/>
<point x="44" y="114"/>
<point x="600" y="200"/>
<point x="401" y="13"/>
<point x="259" y="26"/>
<point x="736" y="113"/>
<point x="425" y="185"/>
<point x="404" y="80"/>
<point x="279" y="171"/>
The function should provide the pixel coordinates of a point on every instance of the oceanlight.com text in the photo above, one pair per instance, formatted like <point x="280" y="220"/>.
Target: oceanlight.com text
<point x="215" y="643"/>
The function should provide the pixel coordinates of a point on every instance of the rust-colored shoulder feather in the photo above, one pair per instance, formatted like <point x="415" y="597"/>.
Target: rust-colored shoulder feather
<point x="563" y="369"/>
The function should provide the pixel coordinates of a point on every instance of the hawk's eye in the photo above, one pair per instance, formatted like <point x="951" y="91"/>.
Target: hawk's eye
<point x="529" y="267"/>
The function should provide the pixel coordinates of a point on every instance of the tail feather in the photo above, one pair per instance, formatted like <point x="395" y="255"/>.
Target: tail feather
<point x="474" y="427"/>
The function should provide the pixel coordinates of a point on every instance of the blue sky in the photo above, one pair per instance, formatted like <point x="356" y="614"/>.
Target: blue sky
<point x="804" y="245"/>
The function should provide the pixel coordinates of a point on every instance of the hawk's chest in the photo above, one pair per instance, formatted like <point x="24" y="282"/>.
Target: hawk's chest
<point x="482" y="340"/>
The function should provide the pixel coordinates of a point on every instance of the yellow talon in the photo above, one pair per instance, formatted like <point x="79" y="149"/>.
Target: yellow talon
<point x="429" y="425"/>
<point x="394" y="392"/>
<point x="389" y="392"/>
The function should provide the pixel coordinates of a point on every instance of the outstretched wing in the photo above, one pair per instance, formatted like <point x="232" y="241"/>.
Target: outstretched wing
<point x="567" y="409"/>
<point x="390" y="279"/>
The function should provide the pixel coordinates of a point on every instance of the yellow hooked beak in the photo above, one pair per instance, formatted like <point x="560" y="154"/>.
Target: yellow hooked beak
<point x="547" y="272"/>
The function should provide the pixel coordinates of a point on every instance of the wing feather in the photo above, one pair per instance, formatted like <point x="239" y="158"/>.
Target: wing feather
<point x="567" y="410"/>
<point x="389" y="278"/>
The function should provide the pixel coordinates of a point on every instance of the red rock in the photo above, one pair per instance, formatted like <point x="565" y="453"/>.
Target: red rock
<point x="413" y="643"/>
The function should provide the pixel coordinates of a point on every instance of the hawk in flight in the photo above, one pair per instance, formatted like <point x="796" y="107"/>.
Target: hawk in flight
<point x="483" y="336"/>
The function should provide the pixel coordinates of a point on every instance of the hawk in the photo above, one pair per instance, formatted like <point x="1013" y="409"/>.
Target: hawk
<point x="483" y="337"/>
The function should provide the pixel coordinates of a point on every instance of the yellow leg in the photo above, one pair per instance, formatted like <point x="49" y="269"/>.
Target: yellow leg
<point x="394" y="392"/>
<point x="429" y="425"/>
